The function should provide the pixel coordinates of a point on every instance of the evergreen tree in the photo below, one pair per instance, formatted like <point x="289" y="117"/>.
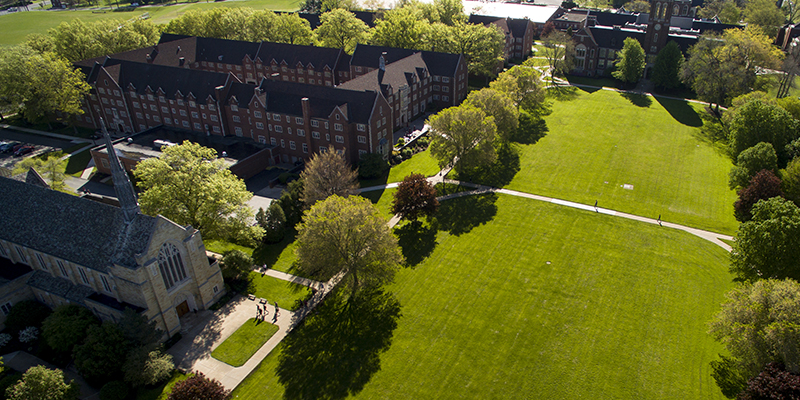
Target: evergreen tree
<point x="666" y="72"/>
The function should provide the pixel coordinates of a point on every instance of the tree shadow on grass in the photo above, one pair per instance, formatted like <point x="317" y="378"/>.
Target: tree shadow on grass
<point x="530" y="131"/>
<point x="639" y="100"/>
<point x="269" y="253"/>
<point x="417" y="240"/>
<point x="563" y="93"/>
<point x="681" y="111"/>
<point x="461" y="215"/>
<point x="335" y="353"/>
<point x="501" y="171"/>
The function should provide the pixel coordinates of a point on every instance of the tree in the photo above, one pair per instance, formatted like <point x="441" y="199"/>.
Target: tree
<point x="759" y="157"/>
<point x="758" y="325"/>
<point x="522" y="85"/>
<point x="290" y="28"/>
<point x="462" y="136"/>
<point x="726" y="10"/>
<point x="791" y="68"/>
<point x="199" y="387"/>
<point x="143" y="367"/>
<point x="78" y="40"/>
<point x="764" y="185"/>
<point x="402" y="27"/>
<point x="236" y="263"/>
<point x="640" y="6"/>
<point x="26" y="313"/>
<point x="67" y="326"/>
<point x="768" y="246"/>
<point x="101" y="355"/>
<point x="630" y="62"/>
<point x="449" y="11"/>
<point x="481" y="45"/>
<point x="41" y="383"/>
<point x="790" y="181"/>
<point x="138" y="331"/>
<point x="498" y="105"/>
<point x="666" y="72"/>
<point x="273" y="221"/>
<point x="40" y="85"/>
<point x="415" y="197"/>
<point x="341" y="29"/>
<point x="757" y="121"/>
<point x="51" y="168"/>
<point x="764" y="14"/>
<point x="191" y="186"/>
<point x="291" y="202"/>
<point x="371" y="166"/>
<point x="559" y="50"/>
<point x="348" y="236"/>
<point x="774" y="382"/>
<point x="327" y="174"/>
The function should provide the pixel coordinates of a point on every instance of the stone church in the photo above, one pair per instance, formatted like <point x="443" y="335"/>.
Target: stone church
<point x="62" y="249"/>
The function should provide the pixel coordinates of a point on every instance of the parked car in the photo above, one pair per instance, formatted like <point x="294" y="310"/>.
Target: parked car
<point x="6" y="148"/>
<point x="16" y="147"/>
<point x="24" y="150"/>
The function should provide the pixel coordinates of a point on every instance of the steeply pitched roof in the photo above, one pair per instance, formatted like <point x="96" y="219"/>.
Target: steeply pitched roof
<point x="293" y="54"/>
<point x="68" y="227"/>
<point x="396" y="75"/>
<point x="518" y="26"/>
<point x="443" y="64"/>
<point x="225" y="51"/>
<point x="172" y="53"/>
<point x="286" y="98"/>
<point x="611" y="38"/>
<point x="59" y="286"/>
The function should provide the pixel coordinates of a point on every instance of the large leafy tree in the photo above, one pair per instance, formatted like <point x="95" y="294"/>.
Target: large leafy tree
<point x="191" y="186"/>
<point x="758" y="325"/>
<point x="764" y="185"/>
<point x="78" y="40"/>
<point x="522" y="85"/>
<point x="41" y="383"/>
<point x="402" y="27"/>
<point x="348" y="236"/>
<point x="101" y="355"/>
<point x="481" y="45"/>
<point x="463" y="136"/>
<point x="290" y="28"/>
<point x="759" y="157"/>
<point x="328" y="174"/>
<point x="765" y="14"/>
<point x="774" y="382"/>
<point x="236" y="263"/>
<point x="67" y="326"/>
<point x="667" y="69"/>
<point x="51" y="168"/>
<point x="758" y="121"/>
<point x="559" y="50"/>
<point x="630" y="61"/>
<point x="498" y="105"/>
<point x="415" y="197"/>
<point x="341" y="29"/>
<point x="790" y="181"/>
<point x="768" y="246"/>
<point x="40" y="84"/>
<point x="273" y="220"/>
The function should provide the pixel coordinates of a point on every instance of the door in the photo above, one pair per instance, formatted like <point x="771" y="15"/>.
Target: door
<point x="182" y="309"/>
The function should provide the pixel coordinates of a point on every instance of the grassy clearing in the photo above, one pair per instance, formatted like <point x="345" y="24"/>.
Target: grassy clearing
<point x="162" y="391"/>
<point x="239" y="347"/>
<point x="15" y="27"/>
<point x="420" y="163"/>
<point x="520" y="297"/>
<point x="652" y="144"/>
<point x="286" y="294"/>
<point x="220" y="247"/>
<point x="382" y="199"/>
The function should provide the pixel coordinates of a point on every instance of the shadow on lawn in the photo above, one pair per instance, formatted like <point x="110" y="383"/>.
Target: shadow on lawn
<point x="269" y="253"/>
<point x="461" y="215"/>
<point x="681" y="111"/>
<point x="503" y="169"/>
<point x="333" y="354"/>
<point x="417" y="240"/>
<point x="639" y="100"/>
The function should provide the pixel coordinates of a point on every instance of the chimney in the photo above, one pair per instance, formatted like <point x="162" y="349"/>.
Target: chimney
<point x="181" y="61"/>
<point x="155" y="49"/>
<point x="382" y="62"/>
<point x="306" y="108"/>
<point x="149" y="59"/>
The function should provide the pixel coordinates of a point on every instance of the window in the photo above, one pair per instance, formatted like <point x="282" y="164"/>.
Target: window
<point x="362" y="139"/>
<point x="315" y="123"/>
<point x="289" y="130"/>
<point x="101" y="90"/>
<point x="278" y="129"/>
<point x="21" y="254"/>
<point x="106" y="286"/>
<point x="156" y="118"/>
<point x="195" y="114"/>
<point x="259" y="125"/>
<point x="170" y="263"/>
<point x="283" y="143"/>
<point x="315" y="134"/>
<point x="305" y="148"/>
<point x="358" y="69"/>
<point x="445" y="89"/>
<point x="361" y="127"/>
<point x="580" y="52"/>
<point x="445" y="79"/>
<point x="197" y="126"/>
<point x="257" y="114"/>
<point x="298" y="121"/>
<point x="361" y="153"/>
<point x="292" y="145"/>
<point x="41" y="261"/>
<point x="212" y="107"/>
<point x="273" y="141"/>
<point x="276" y="117"/>
<point x="139" y="115"/>
<point x="168" y="121"/>
<point x="82" y="273"/>
<point x="135" y="104"/>
<point x="234" y="107"/>
<point x="337" y="127"/>
<point x="214" y="117"/>
<point x="192" y="104"/>
<point x="162" y="99"/>
<point x="105" y="100"/>
<point x="6" y="308"/>
<point x="301" y="132"/>
<point x="328" y="137"/>
<point x="216" y="129"/>
<point x="182" y="112"/>
<point x="339" y="139"/>
<point x="262" y="139"/>
<point x="185" y="124"/>
<point x="238" y="131"/>
<point x="119" y="103"/>
<point x="288" y="119"/>
<point x="153" y="107"/>
<point x="236" y="118"/>
<point x="445" y="98"/>
<point x="62" y="268"/>
<point x="216" y="289"/>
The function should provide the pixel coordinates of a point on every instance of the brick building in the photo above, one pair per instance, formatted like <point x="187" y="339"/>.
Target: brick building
<point x="519" y="33"/>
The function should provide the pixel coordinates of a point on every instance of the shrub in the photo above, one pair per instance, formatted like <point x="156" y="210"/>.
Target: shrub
<point x="8" y="381"/>
<point x="423" y="142"/>
<point x="144" y="367"/>
<point x="372" y="166"/>
<point x="4" y="339"/>
<point x="772" y="383"/>
<point x="764" y="185"/>
<point x="67" y="326"/>
<point x="406" y="153"/>
<point x="28" y="334"/>
<point x="100" y="357"/>
<point x="401" y="142"/>
<point x="27" y="313"/>
<point x="235" y="263"/>
<point x="199" y="387"/>
<point x="114" y="390"/>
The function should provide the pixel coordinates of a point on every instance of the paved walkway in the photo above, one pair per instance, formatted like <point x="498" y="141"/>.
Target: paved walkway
<point x="44" y="133"/>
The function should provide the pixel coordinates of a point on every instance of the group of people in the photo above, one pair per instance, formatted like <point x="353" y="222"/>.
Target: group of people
<point x="262" y="312"/>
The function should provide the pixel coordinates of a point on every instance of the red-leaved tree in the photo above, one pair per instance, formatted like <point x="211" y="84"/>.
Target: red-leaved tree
<point x="772" y="383"/>
<point x="199" y="387"/>
<point x="764" y="185"/>
<point x="415" y="197"/>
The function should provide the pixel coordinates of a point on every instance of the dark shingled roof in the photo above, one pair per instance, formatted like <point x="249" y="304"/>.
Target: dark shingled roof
<point x="443" y="64"/>
<point x="293" y="54"/>
<point x="704" y="26"/>
<point x="368" y="17"/>
<point x="518" y="26"/>
<point x="286" y="98"/>
<point x="68" y="227"/>
<point x="167" y="53"/>
<point x="395" y="76"/>
<point x="59" y="286"/>
<point x="232" y="51"/>
<point x="614" y="38"/>
<point x="683" y="41"/>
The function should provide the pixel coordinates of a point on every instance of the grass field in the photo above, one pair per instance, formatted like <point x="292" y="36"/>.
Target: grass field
<point x="162" y="390"/>
<point x="523" y="299"/>
<point x="420" y="163"/>
<point x="15" y="27"/>
<point x="277" y="290"/>
<point x="239" y="347"/>
<point x="598" y="141"/>
<point x="382" y="199"/>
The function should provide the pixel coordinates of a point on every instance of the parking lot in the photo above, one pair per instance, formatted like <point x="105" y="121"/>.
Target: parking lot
<point x="41" y="143"/>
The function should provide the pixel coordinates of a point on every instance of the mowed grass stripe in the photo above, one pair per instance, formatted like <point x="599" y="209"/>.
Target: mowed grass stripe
<point x="619" y="313"/>
<point x="598" y="142"/>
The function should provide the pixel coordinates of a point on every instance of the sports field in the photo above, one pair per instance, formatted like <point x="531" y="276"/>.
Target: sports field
<point x="15" y="27"/>
<point x="599" y="141"/>
<point x="515" y="298"/>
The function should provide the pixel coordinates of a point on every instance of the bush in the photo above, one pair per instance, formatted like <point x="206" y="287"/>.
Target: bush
<point x="100" y="357"/>
<point x="401" y="142"/>
<point x="144" y="367"/>
<point x="423" y="142"/>
<point x="67" y="326"/>
<point x="235" y="263"/>
<point x="27" y="313"/>
<point x="406" y="153"/>
<point x="199" y="387"/>
<point x="4" y="339"/>
<point x="764" y="185"/>
<point x="28" y="335"/>
<point x="114" y="390"/>
<point x="372" y="166"/>
<point x="9" y="380"/>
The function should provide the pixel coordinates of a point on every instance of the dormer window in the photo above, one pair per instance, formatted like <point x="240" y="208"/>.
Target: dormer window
<point x="234" y="107"/>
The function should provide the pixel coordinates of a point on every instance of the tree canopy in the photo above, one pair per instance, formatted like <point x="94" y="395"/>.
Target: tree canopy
<point x="41" y="383"/>
<point x="764" y="14"/>
<point x="774" y="382"/>
<point x="758" y="121"/>
<point x="402" y="27"/>
<point x="67" y="326"/>
<point x="415" y="197"/>
<point x="790" y="181"/>
<point x="498" y="105"/>
<point x="630" y="61"/>
<point x="666" y="72"/>
<point x="559" y="50"/>
<point x="101" y="355"/>
<point x="347" y="236"/>
<point x="768" y="246"/>
<point x="191" y="186"/>
<point x="523" y="86"/>
<point x="763" y="185"/>
<point x="78" y="40"/>
<point x="341" y="29"/>
<point x="462" y="136"/>
<point x="199" y="387"/>
<point x="328" y="174"/>
<point x="236" y="263"/>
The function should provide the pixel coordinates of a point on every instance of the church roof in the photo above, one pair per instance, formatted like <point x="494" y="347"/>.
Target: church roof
<point x="59" y="286"/>
<point x="443" y="64"/>
<point x="77" y="230"/>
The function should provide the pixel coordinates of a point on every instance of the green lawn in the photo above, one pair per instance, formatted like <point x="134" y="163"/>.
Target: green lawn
<point x="239" y="347"/>
<point x="524" y="299"/>
<point x="599" y="141"/>
<point x="162" y="390"/>
<point x="420" y="163"/>
<point x="15" y="27"/>
<point x="277" y="290"/>
<point x="382" y="199"/>
<point x="220" y="247"/>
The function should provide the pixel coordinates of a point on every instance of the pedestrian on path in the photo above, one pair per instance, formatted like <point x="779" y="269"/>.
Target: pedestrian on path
<point x="595" y="206"/>
<point x="258" y="311"/>
<point x="659" y="220"/>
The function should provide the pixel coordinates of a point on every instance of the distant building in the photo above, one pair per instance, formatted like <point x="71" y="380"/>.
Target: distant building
<point x="519" y="33"/>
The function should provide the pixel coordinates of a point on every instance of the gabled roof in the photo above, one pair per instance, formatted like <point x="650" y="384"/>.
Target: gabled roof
<point x="286" y="98"/>
<point x="170" y="80"/>
<point x="444" y="64"/>
<point x="611" y="38"/>
<point x="396" y="75"/>
<point x="78" y="230"/>
<point x="231" y="51"/>
<point x="167" y="53"/>
<point x="611" y="19"/>
<point x="704" y="26"/>
<point x="518" y="27"/>
<point x="292" y="54"/>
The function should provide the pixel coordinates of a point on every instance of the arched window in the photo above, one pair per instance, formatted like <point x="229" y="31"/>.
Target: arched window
<point x="676" y="10"/>
<point x="170" y="263"/>
<point x="656" y="10"/>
